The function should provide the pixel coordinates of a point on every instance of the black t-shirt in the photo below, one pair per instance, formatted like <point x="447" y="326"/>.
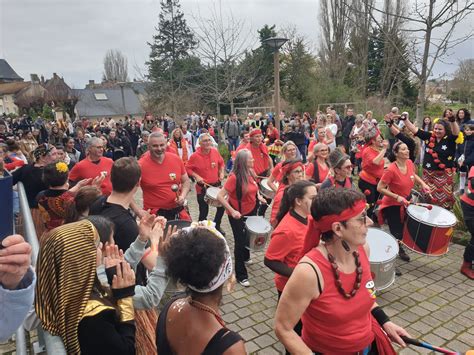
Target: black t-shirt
<point x="445" y="148"/>
<point x="126" y="228"/>
<point x="32" y="178"/>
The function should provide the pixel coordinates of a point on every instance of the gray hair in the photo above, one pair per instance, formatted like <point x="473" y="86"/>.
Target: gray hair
<point x="359" y="118"/>
<point x="337" y="158"/>
<point x="157" y="135"/>
<point x="240" y="168"/>
<point x="145" y="133"/>
<point x="93" y="141"/>
<point x="201" y="136"/>
<point x="317" y="147"/>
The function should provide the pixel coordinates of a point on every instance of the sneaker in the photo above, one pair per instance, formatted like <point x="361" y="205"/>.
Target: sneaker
<point x="248" y="262"/>
<point x="245" y="282"/>
<point x="402" y="254"/>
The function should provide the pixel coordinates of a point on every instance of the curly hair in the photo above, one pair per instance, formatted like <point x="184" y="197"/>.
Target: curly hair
<point x="194" y="257"/>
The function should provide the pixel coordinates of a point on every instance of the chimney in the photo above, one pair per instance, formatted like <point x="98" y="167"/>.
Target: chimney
<point x="55" y="76"/>
<point x="42" y="80"/>
<point x="34" y="78"/>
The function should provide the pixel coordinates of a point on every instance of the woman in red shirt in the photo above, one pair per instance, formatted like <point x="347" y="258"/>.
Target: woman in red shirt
<point x="396" y="185"/>
<point x="341" y="171"/>
<point x="318" y="170"/>
<point x="286" y="244"/>
<point x="242" y="192"/>
<point x="331" y="289"/>
<point x="289" y="151"/>
<point x="373" y="163"/>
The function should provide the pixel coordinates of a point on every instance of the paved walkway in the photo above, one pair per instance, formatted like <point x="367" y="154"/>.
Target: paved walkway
<point x="432" y="300"/>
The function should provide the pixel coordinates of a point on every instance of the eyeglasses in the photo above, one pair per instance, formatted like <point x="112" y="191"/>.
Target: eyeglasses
<point x="347" y="167"/>
<point x="362" y="218"/>
<point x="98" y="146"/>
<point x="323" y="150"/>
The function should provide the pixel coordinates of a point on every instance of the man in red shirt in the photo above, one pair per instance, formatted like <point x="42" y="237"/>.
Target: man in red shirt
<point x="160" y="171"/>
<point x="206" y="166"/>
<point x="95" y="164"/>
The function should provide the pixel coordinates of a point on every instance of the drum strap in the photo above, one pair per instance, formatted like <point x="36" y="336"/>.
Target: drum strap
<point x="317" y="275"/>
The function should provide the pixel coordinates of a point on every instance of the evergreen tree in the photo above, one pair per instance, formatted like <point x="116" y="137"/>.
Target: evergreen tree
<point x="170" y="59"/>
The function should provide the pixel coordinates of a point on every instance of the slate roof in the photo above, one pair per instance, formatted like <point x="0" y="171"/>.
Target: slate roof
<point x="7" y="73"/>
<point x="89" y="106"/>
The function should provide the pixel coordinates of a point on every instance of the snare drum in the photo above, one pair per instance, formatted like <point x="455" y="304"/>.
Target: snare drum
<point x="211" y="196"/>
<point x="428" y="232"/>
<point x="258" y="232"/>
<point x="265" y="190"/>
<point x="383" y="251"/>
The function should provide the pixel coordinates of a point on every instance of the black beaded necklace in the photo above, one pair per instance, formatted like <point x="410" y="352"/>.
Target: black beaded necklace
<point x="332" y="261"/>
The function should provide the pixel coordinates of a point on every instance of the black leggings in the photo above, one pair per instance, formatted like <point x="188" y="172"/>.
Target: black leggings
<point x="392" y="215"/>
<point x="241" y="244"/>
<point x="371" y="198"/>
<point x="204" y="210"/>
<point x="469" y="251"/>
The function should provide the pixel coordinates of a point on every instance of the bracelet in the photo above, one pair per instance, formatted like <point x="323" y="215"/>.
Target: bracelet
<point x="380" y="316"/>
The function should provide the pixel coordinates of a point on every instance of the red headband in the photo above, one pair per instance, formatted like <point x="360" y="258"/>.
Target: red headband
<point x="255" y="132"/>
<point x="286" y="169"/>
<point x="316" y="228"/>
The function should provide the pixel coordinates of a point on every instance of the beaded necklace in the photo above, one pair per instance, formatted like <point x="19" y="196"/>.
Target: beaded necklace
<point x="332" y="261"/>
<point x="206" y="308"/>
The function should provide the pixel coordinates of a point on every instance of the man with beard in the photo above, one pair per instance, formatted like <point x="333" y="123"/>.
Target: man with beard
<point x="160" y="171"/>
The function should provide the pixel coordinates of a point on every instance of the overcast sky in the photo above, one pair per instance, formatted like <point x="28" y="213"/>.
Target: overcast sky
<point x="71" y="37"/>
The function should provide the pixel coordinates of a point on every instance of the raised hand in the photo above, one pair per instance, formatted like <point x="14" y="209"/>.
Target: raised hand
<point x="125" y="276"/>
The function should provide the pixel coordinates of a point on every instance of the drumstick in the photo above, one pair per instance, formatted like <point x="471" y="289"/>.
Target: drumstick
<point x="428" y="207"/>
<point x="422" y="344"/>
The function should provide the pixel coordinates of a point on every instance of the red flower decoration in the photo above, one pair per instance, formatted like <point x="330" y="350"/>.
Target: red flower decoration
<point x="437" y="161"/>
<point x="430" y="151"/>
<point x="431" y="145"/>
<point x="442" y="166"/>
<point x="434" y="154"/>
<point x="432" y="139"/>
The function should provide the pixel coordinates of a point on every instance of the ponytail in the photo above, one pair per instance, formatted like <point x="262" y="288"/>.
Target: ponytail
<point x="291" y="193"/>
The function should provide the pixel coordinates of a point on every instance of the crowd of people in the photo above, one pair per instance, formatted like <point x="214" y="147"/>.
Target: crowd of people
<point x="105" y="261"/>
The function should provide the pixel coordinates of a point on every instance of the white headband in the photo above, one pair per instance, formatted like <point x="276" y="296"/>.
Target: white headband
<point x="225" y="270"/>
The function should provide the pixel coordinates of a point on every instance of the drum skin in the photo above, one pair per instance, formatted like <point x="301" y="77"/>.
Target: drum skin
<point x="428" y="232"/>
<point x="383" y="251"/>
<point x="266" y="190"/>
<point x="211" y="196"/>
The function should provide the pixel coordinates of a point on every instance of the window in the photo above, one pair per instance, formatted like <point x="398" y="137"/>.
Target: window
<point x="100" y="96"/>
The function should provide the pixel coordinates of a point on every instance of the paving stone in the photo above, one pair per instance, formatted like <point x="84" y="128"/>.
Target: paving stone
<point x="459" y="346"/>
<point x="248" y="334"/>
<point x="262" y="328"/>
<point x="444" y="333"/>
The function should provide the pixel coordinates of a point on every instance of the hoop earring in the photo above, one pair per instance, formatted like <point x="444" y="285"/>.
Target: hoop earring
<point x="345" y="245"/>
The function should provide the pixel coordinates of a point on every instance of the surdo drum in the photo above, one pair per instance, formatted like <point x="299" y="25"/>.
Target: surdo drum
<point x="383" y="251"/>
<point x="258" y="232"/>
<point x="211" y="196"/>
<point x="428" y="231"/>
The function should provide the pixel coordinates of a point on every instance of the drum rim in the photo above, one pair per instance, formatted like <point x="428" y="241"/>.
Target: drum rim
<point x="432" y="224"/>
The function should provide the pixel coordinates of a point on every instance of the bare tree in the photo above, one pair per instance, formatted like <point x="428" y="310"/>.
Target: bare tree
<point x="223" y="43"/>
<point x="431" y="25"/>
<point x="463" y="81"/>
<point x="115" y="66"/>
<point x="336" y="30"/>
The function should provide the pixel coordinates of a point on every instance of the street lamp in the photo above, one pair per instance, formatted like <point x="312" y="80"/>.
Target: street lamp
<point x="276" y="43"/>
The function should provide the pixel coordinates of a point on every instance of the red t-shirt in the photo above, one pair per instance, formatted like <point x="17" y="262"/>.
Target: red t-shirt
<point x="249" y="194"/>
<point x="277" y="202"/>
<point x="286" y="244"/>
<point x="206" y="166"/>
<point x="398" y="183"/>
<point x="157" y="180"/>
<point x="323" y="171"/>
<point x="277" y="173"/>
<point x="261" y="158"/>
<point x="327" y="315"/>
<point x="86" y="169"/>
<point x="371" y="172"/>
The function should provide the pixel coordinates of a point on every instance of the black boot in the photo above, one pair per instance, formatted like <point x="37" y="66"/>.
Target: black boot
<point x="402" y="254"/>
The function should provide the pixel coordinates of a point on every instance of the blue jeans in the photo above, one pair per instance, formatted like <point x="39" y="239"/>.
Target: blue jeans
<point x="233" y="143"/>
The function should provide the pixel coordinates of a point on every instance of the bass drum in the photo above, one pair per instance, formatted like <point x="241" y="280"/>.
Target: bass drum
<point x="428" y="230"/>
<point x="383" y="251"/>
